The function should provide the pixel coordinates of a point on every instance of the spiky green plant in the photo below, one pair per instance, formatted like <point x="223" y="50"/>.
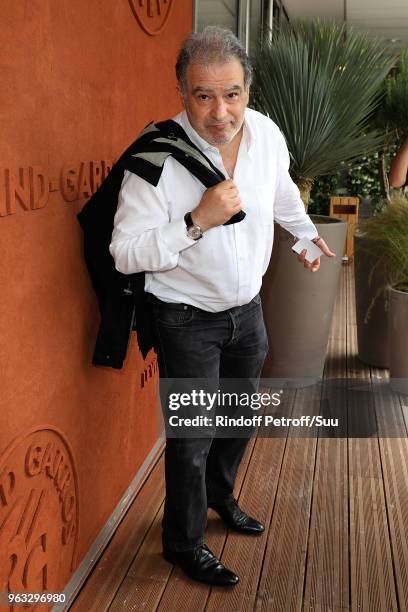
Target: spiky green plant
<point x="387" y="238"/>
<point x="320" y="82"/>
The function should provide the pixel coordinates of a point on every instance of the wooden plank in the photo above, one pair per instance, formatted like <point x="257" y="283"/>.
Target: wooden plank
<point x="327" y="575"/>
<point x="372" y="577"/>
<point x="372" y="580"/>
<point x="394" y="459"/>
<point x="281" y="585"/>
<point x="106" y="578"/>
<point x="146" y="579"/>
<point x="282" y="581"/>
<point x="327" y="572"/>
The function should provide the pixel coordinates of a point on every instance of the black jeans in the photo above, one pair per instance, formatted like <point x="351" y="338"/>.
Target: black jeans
<point x="192" y="343"/>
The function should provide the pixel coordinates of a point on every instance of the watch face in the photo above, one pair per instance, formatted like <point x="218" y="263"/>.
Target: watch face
<point x="194" y="232"/>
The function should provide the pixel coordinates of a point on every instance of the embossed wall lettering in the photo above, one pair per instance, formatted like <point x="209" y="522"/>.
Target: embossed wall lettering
<point x="152" y="15"/>
<point x="29" y="188"/>
<point x="39" y="513"/>
<point x="149" y="372"/>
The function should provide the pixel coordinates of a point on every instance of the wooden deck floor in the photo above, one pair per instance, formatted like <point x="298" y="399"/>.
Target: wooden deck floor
<point x="335" y="510"/>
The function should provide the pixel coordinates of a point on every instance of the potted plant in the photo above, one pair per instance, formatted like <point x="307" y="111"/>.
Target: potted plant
<point x="386" y="238"/>
<point x="320" y="83"/>
<point x="365" y="179"/>
<point x="371" y="296"/>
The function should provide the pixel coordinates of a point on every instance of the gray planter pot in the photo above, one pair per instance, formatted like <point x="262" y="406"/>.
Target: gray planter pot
<point x="371" y="307"/>
<point x="298" y="306"/>
<point x="398" y="328"/>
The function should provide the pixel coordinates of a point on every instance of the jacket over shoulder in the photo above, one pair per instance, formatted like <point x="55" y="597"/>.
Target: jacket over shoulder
<point x="121" y="297"/>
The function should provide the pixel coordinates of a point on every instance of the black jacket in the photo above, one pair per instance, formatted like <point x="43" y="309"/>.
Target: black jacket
<point x="122" y="300"/>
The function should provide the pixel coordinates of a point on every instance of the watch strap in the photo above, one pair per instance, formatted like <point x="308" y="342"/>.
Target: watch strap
<point x="188" y="220"/>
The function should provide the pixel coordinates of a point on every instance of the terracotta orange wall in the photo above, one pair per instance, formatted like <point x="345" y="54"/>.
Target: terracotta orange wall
<point x="79" y="81"/>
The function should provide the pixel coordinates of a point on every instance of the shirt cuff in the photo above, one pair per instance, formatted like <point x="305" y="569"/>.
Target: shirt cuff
<point x="175" y="237"/>
<point x="306" y="231"/>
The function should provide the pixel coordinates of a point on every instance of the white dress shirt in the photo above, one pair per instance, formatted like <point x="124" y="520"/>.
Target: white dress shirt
<point x="225" y="267"/>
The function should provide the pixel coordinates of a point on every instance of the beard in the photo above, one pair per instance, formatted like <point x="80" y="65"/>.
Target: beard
<point x="223" y="136"/>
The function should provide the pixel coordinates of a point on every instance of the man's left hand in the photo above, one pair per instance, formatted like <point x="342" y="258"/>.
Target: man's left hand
<point x="315" y="265"/>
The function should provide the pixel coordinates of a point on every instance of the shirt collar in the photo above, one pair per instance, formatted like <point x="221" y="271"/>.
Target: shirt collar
<point x="203" y="145"/>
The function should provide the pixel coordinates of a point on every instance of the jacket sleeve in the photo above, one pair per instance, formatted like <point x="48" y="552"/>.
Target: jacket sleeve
<point x="143" y="237"/>
<point x="289" y="209"/>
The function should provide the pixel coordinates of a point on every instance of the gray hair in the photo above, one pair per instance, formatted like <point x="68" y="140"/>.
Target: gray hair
<point x="214" y="45"/>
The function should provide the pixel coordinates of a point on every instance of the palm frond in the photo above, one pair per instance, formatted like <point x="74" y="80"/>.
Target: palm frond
<point x="321" y="82"/>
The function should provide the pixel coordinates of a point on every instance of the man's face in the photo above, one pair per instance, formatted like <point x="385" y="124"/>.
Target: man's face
<point x="215" y="101"/>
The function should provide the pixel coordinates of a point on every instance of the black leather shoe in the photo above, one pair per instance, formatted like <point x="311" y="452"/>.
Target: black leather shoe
<point x="201" y="564"/>
<point x="236" y="519"/>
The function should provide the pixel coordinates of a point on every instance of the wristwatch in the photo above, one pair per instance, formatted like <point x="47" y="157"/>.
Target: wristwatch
<point x="193" y="230"/>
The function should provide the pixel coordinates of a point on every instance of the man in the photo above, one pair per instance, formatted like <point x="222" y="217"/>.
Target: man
<point x="205" y="276"/>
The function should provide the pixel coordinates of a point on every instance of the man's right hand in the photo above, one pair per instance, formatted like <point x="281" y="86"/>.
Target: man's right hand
<point x="217" y="206"/>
